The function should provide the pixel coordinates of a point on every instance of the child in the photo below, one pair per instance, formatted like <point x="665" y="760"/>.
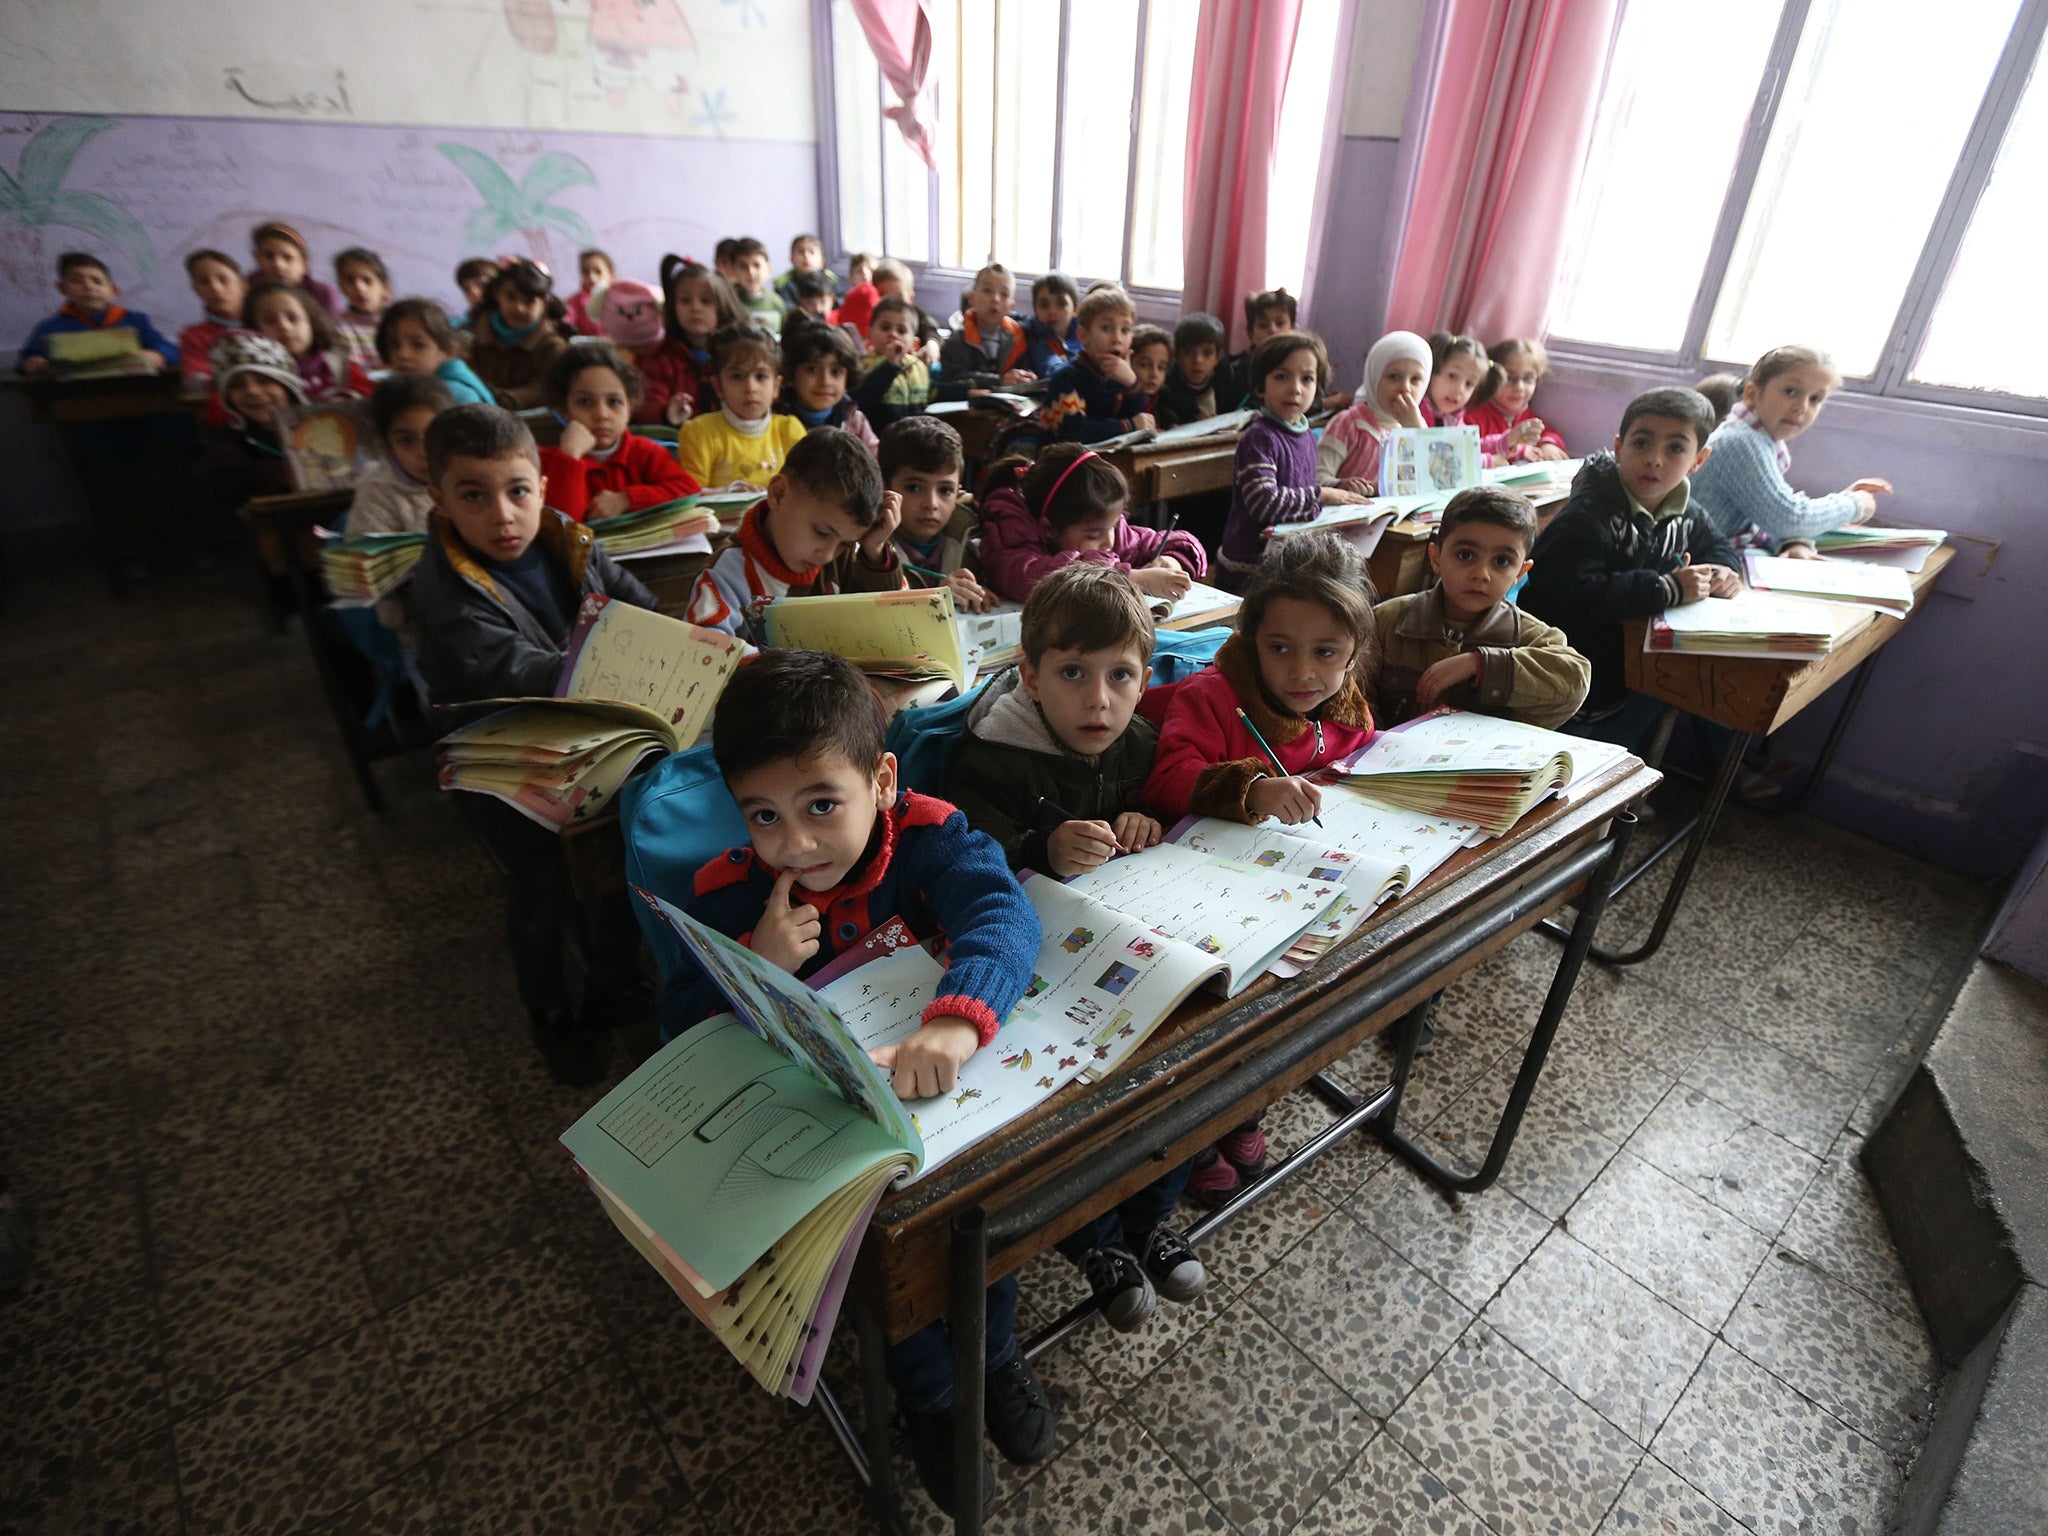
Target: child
<point x="366" y="287"/>
<point x="858" y="307"/>
<point x="1197" y="386"/>
<point x="1265" y="314"/>
<point x="1459" y="371"/>
<point x="221" y="290"/>
<point x="894" y="280"/>
<point x="1273" y="475"/>
<point x="809" y="295"/>
<point x="922" y="460"/>
<point x="807" y="254"/>
<point x="599" y="469"/>
<point x="253" y="379"/>
<point x="825" y="526"/>
<point x="1721" y="390"/>
<point x="989" y="346"/>
<point x="696" y="305"/>
<point x="282" y="256"/>
<point x="516" y="334"/>
<point x="1052" y="767"/>
<point x="721" y="259"/>
<point x="836" y="849"/>
<point x="1630" y="543"/>
<point x="743" y="442"/>
<point x="818" y="360"/>
<point x="89" y="295"/>
<point x="895" y="380"/>
<point x="1744" y="485"/>
<point x="1052" y="335"/>
<point x="493" y="600"/>
<point x="1068" y="508"/>
<point x="1463" y="643"/>
<point x="1093" y="396"/>
<point x="392" y="496"/>
<point x="594" y="273"/>
<point x="1506" y="416"/>
<point x="414" y="336"/>
<point x="860" y="268"/>
<point x="750" y="283"/>
<point x="1151" y="360"/>
<point x="473" y="280"/>
<point x="1389" y="396"/>
<point x="289" y="317"/>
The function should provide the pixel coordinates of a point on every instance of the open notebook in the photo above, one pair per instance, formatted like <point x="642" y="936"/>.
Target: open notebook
<point x="1887" y="588"/>
<point x="910" y="636"/>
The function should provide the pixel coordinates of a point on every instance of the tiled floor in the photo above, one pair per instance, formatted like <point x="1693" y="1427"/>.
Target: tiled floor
<point x="309" y="1259"/>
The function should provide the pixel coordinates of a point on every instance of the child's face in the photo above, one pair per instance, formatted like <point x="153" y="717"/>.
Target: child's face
<point x="751" y="273"/>
<point x="407" y="440"/>
<point x="696" y="308"/>
<point x="929" y="497"/>
<point x="991" y="299"/>
<point x="1654" y="455"/>
<point x="1270" y="321"/>
<point x="820" y="382"/>
<point x="411" y="348"/>
<point x="892" y="287"/>
<point x="598" y="399"/>
<point x="1108" y="335"/>
<point x="1476" y="564"/>
<point x="1097" y="532"/>
<point x="807" y="256"/>
<point x="283" y="318"/>
<point x="1198" y="363"/>
<point x="1453" y="383"/>
<point x="473" y="288"/>
<point x="1304" y="652"/>
<point x="817" y="305"/>
<point x="861" y="272"/>
<point x="493" y="503"/>
<point x="256" y="399"/>
<point x="813" y="816"/>
<point x="221" y="288"/>
<point x="280" y="260"/>
<point x="748" y="385"/>
<point x="1087" y="697"/>
<point x="1054" y="311"/>
<point x="806" y="529"/>
<point x="1289" y="390"/>
<point x="87" y="288"/>
<point x="1400" y="387"/>
<point x="519" y="309"/>
<point x="593" y="271"/>
<point x="1787" y="404"/>
<point x="366" y="292"/>
<point x="893" y="326"/>
<point x="1150" y="364"/>
<point x="1518" y="380"/>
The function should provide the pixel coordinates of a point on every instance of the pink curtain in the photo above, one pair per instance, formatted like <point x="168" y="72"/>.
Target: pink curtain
<point x="1242" y="52"/>
<point x="900" y="33"/>
<point x="1517" y="83"/>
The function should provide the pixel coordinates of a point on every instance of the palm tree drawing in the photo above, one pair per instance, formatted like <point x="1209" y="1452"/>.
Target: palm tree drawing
<point x="524" y="208"/>
<point x="34" y="198"/>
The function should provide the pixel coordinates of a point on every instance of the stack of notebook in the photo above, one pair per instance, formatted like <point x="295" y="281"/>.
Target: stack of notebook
<point x="678" y="527"/>
<point x="359" y="571"/>
<point x="1751" y="623"/>
<point x="1883" y="587"/>
<point x="1472" y="768"/>
<point x="1907" y="548"/>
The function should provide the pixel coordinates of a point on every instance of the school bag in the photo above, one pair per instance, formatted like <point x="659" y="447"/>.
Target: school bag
<point x="677" y="817"/>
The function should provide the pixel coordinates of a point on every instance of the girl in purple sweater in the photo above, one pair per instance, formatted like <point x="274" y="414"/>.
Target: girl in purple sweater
<point x="1273" y="478"/>
<point x="1069" y="506"/>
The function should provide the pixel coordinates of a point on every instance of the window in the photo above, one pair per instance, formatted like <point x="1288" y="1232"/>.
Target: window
<point x="1848" y="173"/>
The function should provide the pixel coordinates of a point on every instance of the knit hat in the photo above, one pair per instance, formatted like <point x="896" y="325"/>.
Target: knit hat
<point x="630" y="313"/>
<point x="247" y="352"/>
<point x="1389" y="349"/>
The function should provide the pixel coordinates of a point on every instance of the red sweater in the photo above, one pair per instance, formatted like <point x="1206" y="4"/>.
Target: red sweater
<point x="646" y="471"/>
<point x="669" y="370"/>
<point x="857" y="309"/>
<point x="1207" y="761"/>
<point x="1493" y="423"/>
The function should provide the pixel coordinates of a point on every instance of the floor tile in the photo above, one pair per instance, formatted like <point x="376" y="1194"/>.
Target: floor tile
<point x="1468" y="1244"/>
<point x="133" y="1489"/>
<point x="210" y="1198"/>
<point x="456" y="1208"/>
<point x="1617" y="1346"/>
<point x="1658" y="1502"/>
<point x="1512" y="1444"/>
<point x="1256" y="1238"/>
<point x="1120" y="1361"/>
<point x="1552" y="1161"/>
<point x="1838" y="1226"/>
<point x="1840" y="1012"/>
<point x="1691" y="1254"/>
<point x="1778" y="1091"/>
<point x="1724" y="1159"/>
<point x="799" y="1486"/>
<point x="410" y="1506"/>
<point x="707" y="1406"/>
<point x="1387" y="1490"/>
<point x="1118" y="1479"/>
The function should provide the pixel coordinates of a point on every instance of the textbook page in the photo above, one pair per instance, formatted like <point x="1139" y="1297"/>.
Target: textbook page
<point x="1429" y="461"/>
<point x="637" y="656"/>
<point x="1369" y="876"/>
<point x="1195" y="602"/>
<point x="911" y="634"/>
<point x="1883" y="587"/>
<point x="1359" y="525"/>
<point x="1420" y="841"/>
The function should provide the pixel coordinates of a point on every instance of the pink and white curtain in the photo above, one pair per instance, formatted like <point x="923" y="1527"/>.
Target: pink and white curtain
<point x="900" y="33"/>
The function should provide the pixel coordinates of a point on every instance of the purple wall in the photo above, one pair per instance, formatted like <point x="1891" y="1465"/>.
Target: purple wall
<point x="1348" y="305"/>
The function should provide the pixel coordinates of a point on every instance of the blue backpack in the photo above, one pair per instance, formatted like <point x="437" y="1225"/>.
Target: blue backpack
<point x="677" y="817"/>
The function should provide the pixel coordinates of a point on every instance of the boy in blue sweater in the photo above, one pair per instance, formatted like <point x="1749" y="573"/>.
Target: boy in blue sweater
<point x="836" y="850"/>
<point x="1096" y="395"/>
<point x="1052" y="334"/>
<point x="89" y="305"/>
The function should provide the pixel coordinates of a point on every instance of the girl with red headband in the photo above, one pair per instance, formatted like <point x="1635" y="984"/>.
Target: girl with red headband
<point x="1069" y="505"/>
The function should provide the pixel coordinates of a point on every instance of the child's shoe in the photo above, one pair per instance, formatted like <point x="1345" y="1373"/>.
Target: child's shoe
<point x="1121" y="1287"/>
<point x="1019" y="1415"/>
<point x="931" y="1452"/>
<point x="571" y="1052"/>
<point x="1213" y="1181"/>
<point x="1245" y="1150"/>
<point x="1175" y="1271"/>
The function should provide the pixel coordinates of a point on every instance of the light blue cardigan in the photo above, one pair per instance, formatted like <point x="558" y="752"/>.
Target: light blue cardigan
<point x="1741" y="484"/>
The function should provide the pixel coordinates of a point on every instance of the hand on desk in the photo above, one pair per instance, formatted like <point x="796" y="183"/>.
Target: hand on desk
<point x="1165" y="577"/>
<point x="929" y="1061"/>
<point x="787" y="934"/>
<point x="1696" y="581"/>
<point x="1018" y="376"/>
<point x="1548" y="451"/>
<point x="1866" y="493"/>
<point x="1445" y="675"/>
<point x="1290" y="800"/>
<point x="1339" y="496"/>
<point x="969" y="595"/>
<point x="1799" y="549"/>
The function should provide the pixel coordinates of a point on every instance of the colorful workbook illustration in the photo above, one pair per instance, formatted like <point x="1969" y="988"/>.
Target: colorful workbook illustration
<point x="1429" y="461"/>
<point x="635" y="684"/>
<point x="328" y="444"/>
<point x="96" y="354"/>
<point x="911" y="636"/>
<point x="1472" y="767"/>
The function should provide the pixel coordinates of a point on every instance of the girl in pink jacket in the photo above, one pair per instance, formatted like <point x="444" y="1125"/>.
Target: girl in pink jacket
<point x="1069" y="505"/>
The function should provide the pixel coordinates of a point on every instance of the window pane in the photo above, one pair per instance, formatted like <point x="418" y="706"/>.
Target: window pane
<point x="1875" y="109"/>
<point x="963" y="47"/>
<point x="1163" y="145"/>
<point x="1021" y="230"/>
<point x="856" y="85"/>
<point x="908" y="186"/>
<point x="1989" y="332"/>
<point x="1298" y="156"/>
<point x="1102" y="60"/>
<point x="1656" y="171"/>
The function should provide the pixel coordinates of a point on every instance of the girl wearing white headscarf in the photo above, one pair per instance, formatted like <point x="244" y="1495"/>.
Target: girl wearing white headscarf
<point x="1389" y="396"/>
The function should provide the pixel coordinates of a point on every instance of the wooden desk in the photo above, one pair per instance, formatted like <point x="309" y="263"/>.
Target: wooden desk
<point x="1156" y="473"/>
<point x="1399" y="564"/>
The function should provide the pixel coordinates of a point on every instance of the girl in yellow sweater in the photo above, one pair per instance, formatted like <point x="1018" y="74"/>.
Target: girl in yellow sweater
<point x="744" y="442"/>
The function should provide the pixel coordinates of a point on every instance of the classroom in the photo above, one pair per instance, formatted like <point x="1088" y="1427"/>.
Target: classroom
<point x="1253" y="766"/>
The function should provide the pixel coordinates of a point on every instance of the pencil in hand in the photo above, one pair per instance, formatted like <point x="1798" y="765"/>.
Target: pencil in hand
<point x="1271" y="756"/>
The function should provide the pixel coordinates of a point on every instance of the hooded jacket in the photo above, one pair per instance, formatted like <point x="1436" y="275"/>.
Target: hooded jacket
<point x="1527" y="671"/>
<point x="1014" y="556"/>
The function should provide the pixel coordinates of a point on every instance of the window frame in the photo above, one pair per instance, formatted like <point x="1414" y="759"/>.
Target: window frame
<point x="2017" y="60"/>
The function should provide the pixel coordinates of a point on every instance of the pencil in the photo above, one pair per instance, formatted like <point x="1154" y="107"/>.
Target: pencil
<point x="1271" y="756"/>
<point x="1066" y="815"/>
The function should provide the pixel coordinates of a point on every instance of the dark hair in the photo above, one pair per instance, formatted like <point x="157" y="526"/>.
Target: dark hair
<point x="925" y="444"/>
<point x="1784" y="359"/>
<point x="398" y="393"/>
<point x="731" y="341"/>
<point x="1316" y="568"/>
<point x="1676" y="403"/>
<point x="324" y="339"/>
<point x="1151" y="336"/>
<point x="795" y="704"/>
<point x="723" y="251"/>
<point x="475" y="266"/>
<point x="1256" y="304"/>
<point x="582" y="355"/>
<point x="71" y="260"/>
<point x="1443" y="346"/>
<point x="1276" y="349"/>
<point x="1086" y="606"/>
<point x="806" y="284"/>
<point x="805" y="339"/>
<point x="604" y="256"/>
<point x="208" y="253"/>
<point x="525" y="278"/>
<point x="836" y="466"/>
<point x="1721" y="390"/>
<point x="1096" y="486"/>
<point x="1199" y="330"/>
<point x="674" y="269"/>
<point x="802" y="240"/>
<point x="1059" y="283"/>
<point x="744" y="247"/>
<point x="362" y="256"/>
<point x="1494" y="504"/>
<point x="431" y="318"/>
<point x="476" y="432"/>
<point x="894" y="304"/>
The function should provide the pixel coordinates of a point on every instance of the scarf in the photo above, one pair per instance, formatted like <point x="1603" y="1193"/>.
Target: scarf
<point x="1741" y="412"/>
<point x="509" y="336"/>
<point x="745" y="428"/>
<point x="813" y="419"/>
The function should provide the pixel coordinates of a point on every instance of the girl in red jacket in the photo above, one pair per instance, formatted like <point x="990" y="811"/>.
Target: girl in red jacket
<point x="1506" y="414"/>
<point x="598" y="468"/>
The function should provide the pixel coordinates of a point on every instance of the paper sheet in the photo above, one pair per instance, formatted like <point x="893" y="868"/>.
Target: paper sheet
<point x="641" y="657"/>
